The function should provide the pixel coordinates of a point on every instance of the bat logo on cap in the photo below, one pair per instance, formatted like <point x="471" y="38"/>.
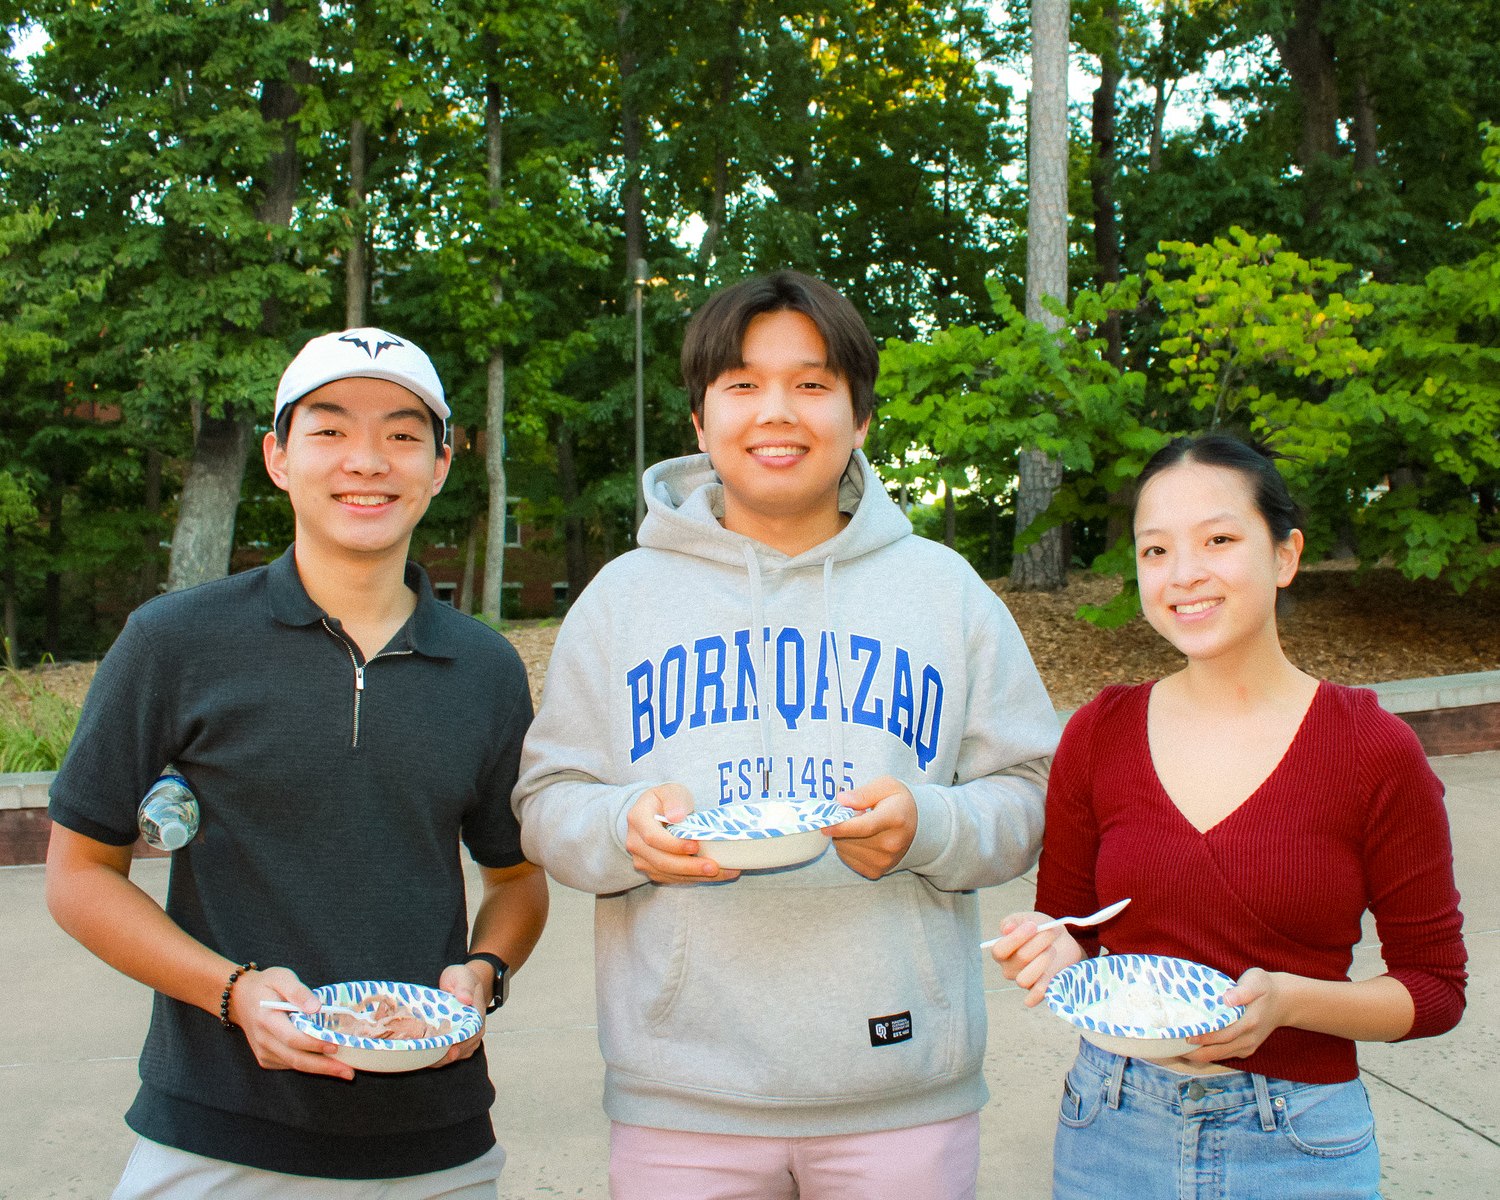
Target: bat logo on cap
<point x="365" y="346"/>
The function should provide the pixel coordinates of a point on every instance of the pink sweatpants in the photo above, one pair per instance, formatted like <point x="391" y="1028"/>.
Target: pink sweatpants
<point x="926" y="1162"/>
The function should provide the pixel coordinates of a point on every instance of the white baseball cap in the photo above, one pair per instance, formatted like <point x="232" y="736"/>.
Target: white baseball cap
<point x="364" y="353"/>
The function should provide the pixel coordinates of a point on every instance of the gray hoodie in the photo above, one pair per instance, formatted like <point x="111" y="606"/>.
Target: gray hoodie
<point x="808" y="1000"/>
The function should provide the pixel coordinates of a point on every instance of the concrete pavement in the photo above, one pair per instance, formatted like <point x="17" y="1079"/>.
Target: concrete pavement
<point x="66" y="1077"/>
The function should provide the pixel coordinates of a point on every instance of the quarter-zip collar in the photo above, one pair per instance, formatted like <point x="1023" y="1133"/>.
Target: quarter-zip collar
<point x="422" y="634"/>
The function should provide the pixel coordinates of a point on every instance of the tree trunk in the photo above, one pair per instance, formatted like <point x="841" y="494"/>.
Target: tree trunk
<point x="471" y="564"/>
<point x="1106" y="229"/>
<point x="1102" y="177"/>
<point x="356" y="266"/>
<point x="494" y="406"/>
<point x="1307" y="54"/>
<point x="204" y="538"/>
<point x="1158" y="120"/>
<point x="1366" y="129"/>
<point x="727" y="72"/>
<point x="1042" y="567"/>
<point x="1161" y="87"/>
<point x="1047" y="162"/>
<point x="494" y="469"/>
<point x="950" y="517"/>
<point x="635" y="220"/>
<point x="12" y="624"/>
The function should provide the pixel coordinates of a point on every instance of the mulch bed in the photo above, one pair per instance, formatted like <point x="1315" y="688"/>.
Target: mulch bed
<point x="1334" y="623"/>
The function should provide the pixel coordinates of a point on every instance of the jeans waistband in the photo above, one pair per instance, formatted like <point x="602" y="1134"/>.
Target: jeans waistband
<point x="1189" y="1094"/>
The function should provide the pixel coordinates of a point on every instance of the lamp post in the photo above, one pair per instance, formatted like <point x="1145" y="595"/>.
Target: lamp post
<point x="640" y="399"/>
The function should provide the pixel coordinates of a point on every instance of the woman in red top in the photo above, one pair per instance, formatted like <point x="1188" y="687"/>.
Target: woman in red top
<point x="1253" y="814"/>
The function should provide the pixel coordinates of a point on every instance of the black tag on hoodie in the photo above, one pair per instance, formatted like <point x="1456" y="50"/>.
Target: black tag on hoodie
<point x="887" y="1031"/>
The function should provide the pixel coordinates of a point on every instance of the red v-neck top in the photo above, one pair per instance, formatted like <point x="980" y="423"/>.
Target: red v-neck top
<point x="1352" y="818"/>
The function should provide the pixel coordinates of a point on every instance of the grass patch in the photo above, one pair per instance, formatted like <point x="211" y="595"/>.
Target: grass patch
<point x="36" y="724"/>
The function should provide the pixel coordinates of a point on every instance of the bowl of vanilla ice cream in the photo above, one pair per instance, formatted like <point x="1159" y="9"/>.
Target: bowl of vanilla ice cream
<point x="1142" y="1005"/>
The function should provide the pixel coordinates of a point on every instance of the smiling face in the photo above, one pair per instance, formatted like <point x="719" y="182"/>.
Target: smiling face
<point x="780" y="429"/>
<point x="360" y="466"/>
<point x="1208" y="567"/>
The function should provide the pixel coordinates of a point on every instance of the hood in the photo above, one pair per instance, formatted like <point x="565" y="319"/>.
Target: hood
<point x="685" y="502"/>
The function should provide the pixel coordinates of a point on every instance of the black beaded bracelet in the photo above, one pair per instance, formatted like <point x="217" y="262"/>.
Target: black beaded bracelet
<point x="229" y="987"/>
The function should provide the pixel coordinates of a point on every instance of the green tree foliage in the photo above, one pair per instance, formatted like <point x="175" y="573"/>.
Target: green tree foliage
<point x="863" y="141"/>
<point x="483" y="252"/>
<point x="68" y="486"/>
<point x="150" y="289"/>
<point x="1252" y="333"/>
<point x="1426" y="424"/>
<point x="156" y="139"/>
<point x="1346" y="127"/>
<point x="957" y="408"/>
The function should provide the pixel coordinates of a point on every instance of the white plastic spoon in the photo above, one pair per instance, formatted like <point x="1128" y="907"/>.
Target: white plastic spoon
<point x="336" y="1009"/>
<point x="1097" y="918"/>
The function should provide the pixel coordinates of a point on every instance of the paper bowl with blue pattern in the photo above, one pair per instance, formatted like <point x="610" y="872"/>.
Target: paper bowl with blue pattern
<point x="761" y="834"/>
<point x="1142" y="1005"/>
<point x="392" y="1054"/>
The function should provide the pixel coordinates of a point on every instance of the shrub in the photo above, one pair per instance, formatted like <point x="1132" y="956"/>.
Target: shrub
<point x="36" y="725"/>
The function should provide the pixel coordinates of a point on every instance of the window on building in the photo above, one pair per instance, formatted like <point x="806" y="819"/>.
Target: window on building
<point x="447" y="593"/>
<point x="512" y="522"/>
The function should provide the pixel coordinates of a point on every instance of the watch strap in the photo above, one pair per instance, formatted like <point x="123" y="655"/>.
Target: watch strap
<point x="501" y="990"/>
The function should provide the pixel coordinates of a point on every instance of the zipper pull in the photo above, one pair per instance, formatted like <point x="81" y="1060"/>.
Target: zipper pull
<point x="359" y="678"/>
<point x="765" y="782"/>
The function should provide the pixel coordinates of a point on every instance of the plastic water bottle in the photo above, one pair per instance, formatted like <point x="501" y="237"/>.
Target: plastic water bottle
<point x="168" y="817"/>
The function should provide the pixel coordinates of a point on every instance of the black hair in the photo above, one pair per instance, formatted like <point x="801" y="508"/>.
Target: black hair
<point x="283" y="426"/>
<point x="1256" y="462"/>
<point x="715" y="338"/>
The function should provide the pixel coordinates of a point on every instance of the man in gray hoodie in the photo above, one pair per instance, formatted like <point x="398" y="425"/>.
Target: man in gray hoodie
<point x="781" y="635"/>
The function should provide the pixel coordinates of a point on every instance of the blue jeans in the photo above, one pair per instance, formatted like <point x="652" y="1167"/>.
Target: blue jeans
<point x="1130" y="1130"/>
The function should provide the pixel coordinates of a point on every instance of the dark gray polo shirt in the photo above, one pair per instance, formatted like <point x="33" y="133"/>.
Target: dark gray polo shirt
<point x="334" y="794"/>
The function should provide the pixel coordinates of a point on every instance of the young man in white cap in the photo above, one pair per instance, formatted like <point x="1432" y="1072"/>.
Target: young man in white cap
<point x="342" y="731"/>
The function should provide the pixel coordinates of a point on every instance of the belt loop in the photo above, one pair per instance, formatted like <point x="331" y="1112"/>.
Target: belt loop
<point x="1116" y="1080"/>
<point x="1263" y="1103"/>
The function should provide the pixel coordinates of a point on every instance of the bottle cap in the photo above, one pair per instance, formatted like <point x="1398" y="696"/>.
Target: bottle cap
<point x="174" y="835"/>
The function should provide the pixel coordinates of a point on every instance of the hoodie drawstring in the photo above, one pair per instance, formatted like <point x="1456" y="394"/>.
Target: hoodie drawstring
<point x="836" y="719"/>
<point x="764" y="685"/>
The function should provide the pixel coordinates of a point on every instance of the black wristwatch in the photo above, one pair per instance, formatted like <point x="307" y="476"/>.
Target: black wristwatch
<point x="500" y="993"/>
